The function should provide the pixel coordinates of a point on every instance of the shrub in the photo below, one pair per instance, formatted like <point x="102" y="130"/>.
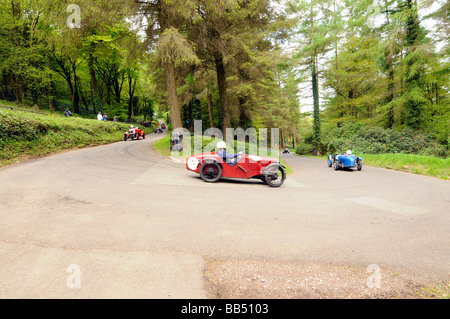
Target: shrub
<point x="304" y="149"/>
<point x="309" y="139"/>
<point x="376" y="140"/>
<point x="437" y="150"/>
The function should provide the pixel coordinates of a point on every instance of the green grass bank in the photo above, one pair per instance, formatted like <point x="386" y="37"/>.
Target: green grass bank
<point x="28" y="135"/>
<point x="411" y="163"/>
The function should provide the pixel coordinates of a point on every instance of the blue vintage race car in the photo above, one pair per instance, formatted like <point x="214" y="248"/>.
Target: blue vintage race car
<point x="347" y="160"/>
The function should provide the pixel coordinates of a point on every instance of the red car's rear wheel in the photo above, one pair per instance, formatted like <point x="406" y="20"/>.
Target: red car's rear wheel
<point x="275" y="176"/>
<point x="210" y="172"/>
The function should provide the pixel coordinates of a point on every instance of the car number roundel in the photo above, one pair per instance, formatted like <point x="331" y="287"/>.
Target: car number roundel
<point x="192" y="163"/>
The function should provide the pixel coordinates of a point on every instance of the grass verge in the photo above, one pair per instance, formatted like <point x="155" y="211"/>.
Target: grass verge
<point x="162" y="146"/>
<point x="417" y="164"/>
<point x="27" y="135"/>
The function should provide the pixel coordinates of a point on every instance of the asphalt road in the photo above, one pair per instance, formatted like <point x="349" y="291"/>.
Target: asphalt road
<point x="121" y="221"/>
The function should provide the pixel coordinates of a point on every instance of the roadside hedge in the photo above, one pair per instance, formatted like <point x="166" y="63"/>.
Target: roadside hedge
<point x="376" y="140"/>
<point x="25" y="135"/>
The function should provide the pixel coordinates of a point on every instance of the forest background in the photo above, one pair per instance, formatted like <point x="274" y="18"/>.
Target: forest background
<point x="370" y="75"/>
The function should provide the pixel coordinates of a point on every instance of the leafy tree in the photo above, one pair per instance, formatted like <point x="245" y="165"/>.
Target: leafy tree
<point x="173" y="50"/>
<point x="414" y="37"/>
<point x="315" y="41"/>
<point x="22" y="51"/>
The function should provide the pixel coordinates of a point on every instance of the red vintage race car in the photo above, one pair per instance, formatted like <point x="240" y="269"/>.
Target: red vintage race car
<point x="212" y="167"/>
<point x="133" y="133"/>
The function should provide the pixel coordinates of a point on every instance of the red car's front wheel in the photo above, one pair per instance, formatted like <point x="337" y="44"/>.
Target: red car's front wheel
<point x="210" y="172"/>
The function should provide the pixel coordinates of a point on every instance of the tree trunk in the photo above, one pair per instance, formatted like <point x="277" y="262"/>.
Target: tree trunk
<point x="49" y="95"/>
<point x="390" y="88"/>
<point x="144" y="105"/>
<point x="210" y="111"/>
<point x="413" y="107"/>
<point x="222" y="86"/>
<point x="4" y="87"/>
<point x="131" y="87"/>
<point x="315" y="88"/>
<point x="436" y="92"/>
<point x="390" y="96"/>
<point x="94" y="84"/>
<point x="336" y="67"/>
<point x="108" y="94"/>
<point x="85" y="102"/>
<point x="173" y="99"/>
<point x="17" y="89"/>
<point x="118" y="87"/>
<point x="76" y="96"/>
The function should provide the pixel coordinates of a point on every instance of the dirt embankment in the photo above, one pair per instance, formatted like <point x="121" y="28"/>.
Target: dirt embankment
<point x="249" y="279"/>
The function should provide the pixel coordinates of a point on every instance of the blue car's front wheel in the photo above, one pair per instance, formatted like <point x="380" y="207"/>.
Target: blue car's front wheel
<point x="336" y="165"/>
<point x="358" y="165"/>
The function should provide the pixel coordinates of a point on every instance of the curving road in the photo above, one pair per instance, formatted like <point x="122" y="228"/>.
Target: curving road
<point x="121" y="221"/>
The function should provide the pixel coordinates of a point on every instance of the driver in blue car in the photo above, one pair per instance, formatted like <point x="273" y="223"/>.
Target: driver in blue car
<point x="230" y="159"/>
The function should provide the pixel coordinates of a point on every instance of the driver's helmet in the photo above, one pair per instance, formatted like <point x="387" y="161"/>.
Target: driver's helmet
<point x="221" y="144"/>
<point x="349" y="152"/>
<point x="131" y="126"/>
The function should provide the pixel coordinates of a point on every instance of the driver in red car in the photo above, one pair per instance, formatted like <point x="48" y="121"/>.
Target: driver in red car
<point x="230" y="159"/>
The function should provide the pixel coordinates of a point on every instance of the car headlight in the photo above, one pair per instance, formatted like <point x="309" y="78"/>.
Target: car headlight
<point x="192" y="163"/>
